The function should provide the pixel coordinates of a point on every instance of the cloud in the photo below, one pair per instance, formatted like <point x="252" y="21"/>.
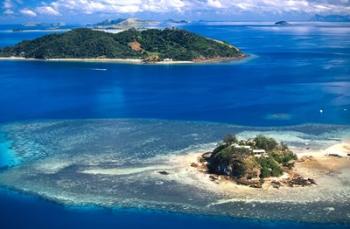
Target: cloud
<point x="8" y="12"/>
<point x="225" y="7"/>
<point x="283" y="6"/>
<point x="28" y="12"/>
<point x="119" y="6"/>
<point x="215" y="4"/>
<point x="48" y="10"/>
<point x="7" y="4"/>
<point x="269" y="6"/>
<point x="8" y="7"/>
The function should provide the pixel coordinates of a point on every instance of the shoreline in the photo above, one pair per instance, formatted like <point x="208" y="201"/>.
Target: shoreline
<point x="325" y="166"/>
<point x="127" y="60"/>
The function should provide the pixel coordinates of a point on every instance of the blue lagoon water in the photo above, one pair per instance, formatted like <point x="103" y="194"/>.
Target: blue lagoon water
<point x="295" y="75"/>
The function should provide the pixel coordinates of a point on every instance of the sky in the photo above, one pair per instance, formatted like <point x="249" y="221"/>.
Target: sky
<point x="90" y="11"/>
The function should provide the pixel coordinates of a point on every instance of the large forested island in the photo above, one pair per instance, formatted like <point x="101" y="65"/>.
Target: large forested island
<point x="152" y="45"/>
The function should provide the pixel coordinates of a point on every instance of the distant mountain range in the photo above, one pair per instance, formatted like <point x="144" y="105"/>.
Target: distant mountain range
<point x="38" y="24"/>
<point x="127" y="24"/>
<point x="331" y="18"/>
<point x="109" y="22"/>
<point x="136" y="23"/>
<point x="177" y="22"/>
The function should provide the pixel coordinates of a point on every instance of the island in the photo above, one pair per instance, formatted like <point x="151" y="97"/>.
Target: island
<point x="330" y="18"/>
<point x="109" y="22"/>
<point x="147" y="46"/>
<point x="253" y="162"/>
<point x="282" y="23"/>
<point x="128" y="23"/>
<point x="292" y="173"/>
<point x="122" y="24"/>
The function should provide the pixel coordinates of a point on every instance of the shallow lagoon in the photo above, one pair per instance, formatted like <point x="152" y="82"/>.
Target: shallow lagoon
<point x="116" y="163"/>
<point x="7" y="157"/>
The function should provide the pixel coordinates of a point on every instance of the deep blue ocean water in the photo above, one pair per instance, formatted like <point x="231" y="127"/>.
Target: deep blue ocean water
<point x="295" y="75"/>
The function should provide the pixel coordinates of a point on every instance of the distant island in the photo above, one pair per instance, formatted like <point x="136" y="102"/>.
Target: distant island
<point x="252" y="162"/>
<point x="110" y="22"/>
<point x="331" y="18"/>
<point x="282" y="23"/>
<point x="128" y="23"/>
<point x="40" y="27"/>
<point x="151" y="45"/>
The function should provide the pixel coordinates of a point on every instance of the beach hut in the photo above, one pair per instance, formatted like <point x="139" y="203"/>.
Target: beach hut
<point x="259" y="152"/>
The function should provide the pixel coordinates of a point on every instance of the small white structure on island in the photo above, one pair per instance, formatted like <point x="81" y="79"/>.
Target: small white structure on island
<point x="256" y="152"/>
<point x="259" y="152"/>
<point x="241" y="147"/>
<point x="167" y="60"/>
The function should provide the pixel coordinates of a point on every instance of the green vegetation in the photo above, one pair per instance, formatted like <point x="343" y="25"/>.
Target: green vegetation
<point x="262" y="142"/>
<point x="230" y="139"/>
<point x="153" y="45"/>
<point x="284" y="156"/>
<point x="259" y="157"/>
<point x="269" y="167"/>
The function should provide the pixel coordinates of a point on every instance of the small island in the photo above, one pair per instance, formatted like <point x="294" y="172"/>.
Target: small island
<point x="147" y="46"/>
<point x="283" y="23"/>
<point x="252" y="162"/>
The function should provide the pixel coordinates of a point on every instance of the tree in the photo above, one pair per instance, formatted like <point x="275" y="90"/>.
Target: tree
<point x="156" y="45"/>
<point x="230" y="139"/>
<point x="238" y="168"/>
<point x="269" y="167"/>
<point x="265" y="143"/>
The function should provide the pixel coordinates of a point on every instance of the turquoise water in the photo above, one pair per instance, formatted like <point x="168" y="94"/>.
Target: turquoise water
<point x="62" y="160"/>
<point x="7" y="156"/>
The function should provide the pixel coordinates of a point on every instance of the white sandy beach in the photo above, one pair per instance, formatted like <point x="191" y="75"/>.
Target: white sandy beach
<point x="95" y="60"/>
<point x="329" y="172"/>
<point x="120" y="60"/>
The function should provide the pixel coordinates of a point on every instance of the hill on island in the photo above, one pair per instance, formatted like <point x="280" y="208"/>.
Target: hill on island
<point x="250" y="161"/>
<point x="150" y="45"/>
<point x="129" y="23"/>
<point x="109" y="22"/>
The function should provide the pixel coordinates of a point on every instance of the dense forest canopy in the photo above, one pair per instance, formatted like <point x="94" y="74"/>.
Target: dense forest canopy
<point x="238" y="159"/>
<point x="149" y="45"/>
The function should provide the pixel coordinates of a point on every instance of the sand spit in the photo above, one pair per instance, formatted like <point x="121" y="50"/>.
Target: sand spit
<point x="330" y="173"/>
